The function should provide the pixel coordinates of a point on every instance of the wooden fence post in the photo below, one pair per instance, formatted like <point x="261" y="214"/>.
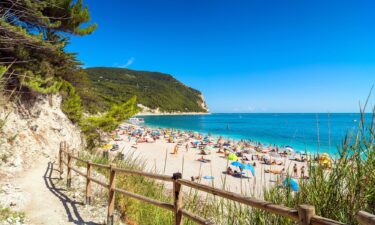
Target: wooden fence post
<point x="177" y="199"/>
<point x="111" y="196"/>
<point x="88" y="183"/>
<point x="305" y="213"/>
<point x="69" y="174"/>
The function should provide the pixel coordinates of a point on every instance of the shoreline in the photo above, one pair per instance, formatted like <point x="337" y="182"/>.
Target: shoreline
<point x="207" y="124"/>
<point x="171" y="113"/>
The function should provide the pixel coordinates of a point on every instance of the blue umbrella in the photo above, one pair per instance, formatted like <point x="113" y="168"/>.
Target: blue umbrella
<point x="155" y="132"/>
<point x="236" y="163"/>
<point x="248" y="167"/>
<point x="292" y="183"/>
<point x="301" y="152"/>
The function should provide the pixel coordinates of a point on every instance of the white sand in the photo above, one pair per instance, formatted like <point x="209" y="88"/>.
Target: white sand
<point x="185" y="162"/>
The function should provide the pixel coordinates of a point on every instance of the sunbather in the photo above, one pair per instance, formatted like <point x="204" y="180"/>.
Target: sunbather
<point x="195" y="178"/>
<point x="202" y="159"/>
<point x="230" y="171"/>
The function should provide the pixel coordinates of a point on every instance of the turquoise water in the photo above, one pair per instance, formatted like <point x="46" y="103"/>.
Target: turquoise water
<point x="296" y="129"/>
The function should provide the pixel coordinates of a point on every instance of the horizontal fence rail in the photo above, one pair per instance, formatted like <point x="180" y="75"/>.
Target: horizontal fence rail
<point x="365" y="218"/>
<point x="304" y="215"/>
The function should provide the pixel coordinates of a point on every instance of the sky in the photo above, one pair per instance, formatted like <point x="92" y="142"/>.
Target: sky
<point x="243" y="55"/>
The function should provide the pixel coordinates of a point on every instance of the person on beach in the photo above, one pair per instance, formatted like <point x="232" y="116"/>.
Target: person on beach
<point x="187" y="147"/>
<point x="195" y="178"/>
<point x="230" y="171"/>
<point x="203" y="160"/>
<point x="295" y="170"/>
<point x="175" y="150"/>
<point x="283" y="175"/>
<point x="129" y="138"/>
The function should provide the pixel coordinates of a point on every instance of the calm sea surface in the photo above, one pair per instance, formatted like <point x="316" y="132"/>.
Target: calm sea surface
<point x="299" y="130"/>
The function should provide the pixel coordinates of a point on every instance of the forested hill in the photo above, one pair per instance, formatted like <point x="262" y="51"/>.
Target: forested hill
<point x="157" y="91"/>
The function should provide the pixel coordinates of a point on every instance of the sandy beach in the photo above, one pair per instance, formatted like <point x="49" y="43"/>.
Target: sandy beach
<point x="159" y="158"/>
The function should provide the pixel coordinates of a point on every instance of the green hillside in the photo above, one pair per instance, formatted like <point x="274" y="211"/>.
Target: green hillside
<point x="153" y="90"/>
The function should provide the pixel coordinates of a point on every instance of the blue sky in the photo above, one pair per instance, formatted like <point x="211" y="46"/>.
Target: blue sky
<point x="244" y="55"/>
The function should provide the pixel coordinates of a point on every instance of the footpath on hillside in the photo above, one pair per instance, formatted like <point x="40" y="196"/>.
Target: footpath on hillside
<point x="42" y="196"/>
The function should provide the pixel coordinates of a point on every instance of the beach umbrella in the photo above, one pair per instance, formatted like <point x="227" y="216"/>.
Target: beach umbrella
<point x="248" y="167"/>
<point x="107" y="146"/>
<point x="236" y="163"/>
<point x="292" y="183"/>
<point x="208" y="148"/>
<point x="301" y="152"/>
<point x="289" y="149"/>
<point x="208" y="177"/>
<point x="232" y="156"/>
<point x="155" y="132"/>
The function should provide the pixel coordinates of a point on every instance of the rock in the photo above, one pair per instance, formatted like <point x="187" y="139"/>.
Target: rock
<point x="34" y="127"/>
<point x="75" y="195"/>
<point x="17" y="162"/>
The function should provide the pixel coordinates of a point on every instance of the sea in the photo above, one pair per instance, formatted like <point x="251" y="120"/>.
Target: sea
<point x="310" y="132"/>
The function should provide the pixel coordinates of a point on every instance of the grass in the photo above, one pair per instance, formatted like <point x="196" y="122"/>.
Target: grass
<point x="338" y="193"/>
<point x="8" y="215"/>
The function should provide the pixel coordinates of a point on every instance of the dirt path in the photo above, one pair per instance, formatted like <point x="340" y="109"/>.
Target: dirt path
<point x="43" y="206"/>
<point x="46" y="199"/>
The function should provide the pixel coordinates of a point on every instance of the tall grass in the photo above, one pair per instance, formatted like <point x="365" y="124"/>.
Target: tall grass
<point x="349" y="186"/>
<point x="338" y="193"/>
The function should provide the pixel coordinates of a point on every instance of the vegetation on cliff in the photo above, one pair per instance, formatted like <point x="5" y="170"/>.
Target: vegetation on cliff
<point x="153" y="89"/>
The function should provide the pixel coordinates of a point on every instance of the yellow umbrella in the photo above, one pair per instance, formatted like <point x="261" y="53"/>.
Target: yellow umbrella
<point x="233" y="157"/>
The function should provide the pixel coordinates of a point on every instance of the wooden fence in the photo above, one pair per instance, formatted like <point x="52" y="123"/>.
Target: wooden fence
<point x="304" y="215"/>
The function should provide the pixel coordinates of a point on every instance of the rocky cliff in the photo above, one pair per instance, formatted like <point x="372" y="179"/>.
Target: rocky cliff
<point x="29" y="130"/>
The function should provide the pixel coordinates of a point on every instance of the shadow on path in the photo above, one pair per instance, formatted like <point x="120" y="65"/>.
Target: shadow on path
<point x="69" y="205"/>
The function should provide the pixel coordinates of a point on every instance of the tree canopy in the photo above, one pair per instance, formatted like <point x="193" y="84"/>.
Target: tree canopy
<point x="33" y="35"/>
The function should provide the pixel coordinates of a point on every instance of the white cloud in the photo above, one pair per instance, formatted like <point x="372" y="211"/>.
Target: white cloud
<point x="128" y="63"/>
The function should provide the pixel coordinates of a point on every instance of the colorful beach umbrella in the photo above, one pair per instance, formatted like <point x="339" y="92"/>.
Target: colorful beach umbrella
<point x="248" y="167"/>
<point x="232" y="156"/>
<point x="236" y="163"/>
<point x="291" y="183"/>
